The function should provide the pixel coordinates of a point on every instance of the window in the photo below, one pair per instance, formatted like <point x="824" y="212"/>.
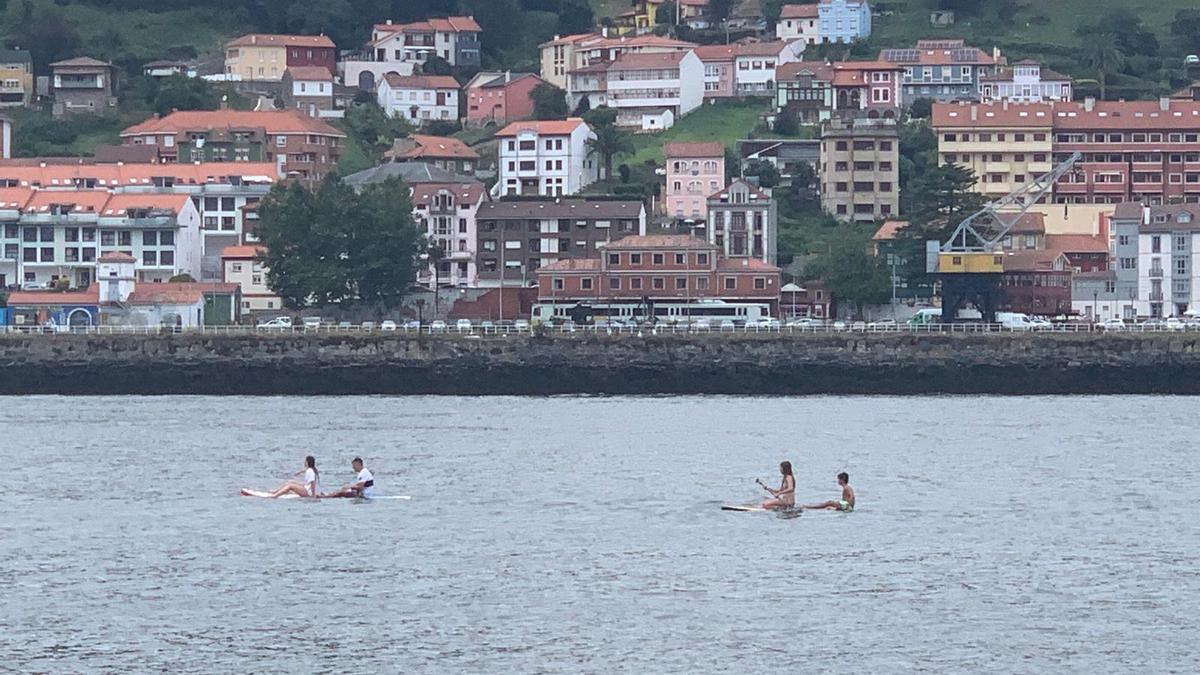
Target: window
<point x="557" y="283"/>
<point x="635" y="258"/>
<point x="658" y="283"/>
<point x="614" y="258"/>
<point x="614" y="283"/>
<point x="585" y="284"/>
<point x="656" y="259"/>
<point x="730" y="283"/>
<point x="149" y="259"/>
<point x="635" y="284"/>
<point x="47" y="254"/>
<point x="680" y="283"/>
<point x="150" y="238"/>
<point x="165" y="258"/>
<point x="72" y="233"/>
<point x="701" y="258"/>
<point x="47" y="234"/>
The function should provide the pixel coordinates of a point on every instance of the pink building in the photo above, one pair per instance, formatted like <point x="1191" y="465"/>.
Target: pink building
<point x="695" y="170"/>
<point x="859" y="85"/>
<point x="718" y="69"/>
<point x="500" y="98"/>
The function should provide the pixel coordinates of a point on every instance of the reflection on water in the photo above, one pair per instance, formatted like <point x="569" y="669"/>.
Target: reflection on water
<point x="585" y="535"/>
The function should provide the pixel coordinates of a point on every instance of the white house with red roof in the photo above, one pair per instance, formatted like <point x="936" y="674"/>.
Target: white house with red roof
<point x="445" y="152"/>
<point x="308" y="89"/>
<point x="401" y="48"/>
<point x="745" y="68"/>
<point x="549" y="158"/>
<point x="419" y="99"/>
<point x="242" y="265"/>
<point x="448" y="212"/>
<point x="799" y="22"/>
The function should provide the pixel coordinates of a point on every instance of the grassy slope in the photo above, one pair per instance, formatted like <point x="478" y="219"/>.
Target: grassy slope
<point x="725" y="122"/>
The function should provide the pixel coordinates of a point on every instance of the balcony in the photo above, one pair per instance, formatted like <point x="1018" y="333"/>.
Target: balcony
<point x="1156" y="296"/>
<point x="1156" y="273"/>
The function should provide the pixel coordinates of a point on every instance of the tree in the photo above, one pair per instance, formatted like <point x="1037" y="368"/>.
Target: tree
<point x="1103" y="56"/>
<point x="787" y="123"/>
<point x="436" y="65"/>
<point x="718" y="10"/>
<point x="43" y="31"/>
<point x="603" y="116"/>
<point x="733" y="165"/>
<point x="179" y="92"/>
<point x="665" y="14"/>
<point x="575" y="16"/>
<point x="768" y="175"/>
<point x="852" y="275"/>
<point x="1186" y="27"/>
<point x="921" y="109"/>
<point x="184" y="278"/>
<point x="585" y="105"/>
<point x="373" y="128"/>
<point x="609" y="142"/>
<point x="332" y="245"/>
<point x="943" y="194"/>
<point x="549" y="102"/>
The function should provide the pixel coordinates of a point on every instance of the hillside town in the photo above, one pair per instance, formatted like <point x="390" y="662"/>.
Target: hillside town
<point x="530" y="206"/>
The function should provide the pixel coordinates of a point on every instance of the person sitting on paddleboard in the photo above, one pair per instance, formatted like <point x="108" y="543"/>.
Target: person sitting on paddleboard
<point x="364" y="482"/>
<point x="785" y="496"/>
<point x="846" y="503"/>
<point x="306" y="489"/>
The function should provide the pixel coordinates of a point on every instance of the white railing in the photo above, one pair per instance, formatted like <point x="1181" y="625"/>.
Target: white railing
<point x="647" y="330"/>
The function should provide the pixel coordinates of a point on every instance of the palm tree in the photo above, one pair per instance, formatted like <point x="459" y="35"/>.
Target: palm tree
<point x="608" y="143"/>
<point x="1104" y="56"/>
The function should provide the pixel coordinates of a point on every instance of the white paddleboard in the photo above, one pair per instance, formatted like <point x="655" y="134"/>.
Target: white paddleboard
<point x="741" y="507"/>
<point x="246" y="492"/>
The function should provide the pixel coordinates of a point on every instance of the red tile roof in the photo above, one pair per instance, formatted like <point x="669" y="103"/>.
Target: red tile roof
<point x="992" y="115"/>
<point x="14" y="198"/>
<point x="310" y="73"/>
<point x="798" y="12"/>
<point x="270" y="40"/>
<point x="693" y="149"/>
<point x="90" y="296"/>
<point x="117" y="257"/>
<point x="244" y="252"/>
<point x="647" y="60"/>
<point x="543" y="127"/>
<point x="177" y="293"/>
<point x="572" y="265"/>
<point x="141" y="173"/>
<point x="889" y="230"/>
<point x="86" y="201"/>
<point x="421" y="81"/>
<point x="1077" y="243"/>
<point x="450" y="24"/>
<point x="464" y="193"/>
<point x="1135" y="115"/>
<point x="792" y="70"/>
<point x="1031" y="261"/>
<point x="435" y="147"/>
<point x="744" y="265"/>
<point x="271" y="121"/>
<point x="664" y="241"/>
<point x="121" y="202"/>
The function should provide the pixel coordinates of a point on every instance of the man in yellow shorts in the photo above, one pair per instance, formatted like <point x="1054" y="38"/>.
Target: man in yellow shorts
<point x="846" y="503"/>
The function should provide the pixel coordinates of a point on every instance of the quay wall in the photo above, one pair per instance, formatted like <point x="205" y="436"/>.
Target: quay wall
<point x="776" y="364"/>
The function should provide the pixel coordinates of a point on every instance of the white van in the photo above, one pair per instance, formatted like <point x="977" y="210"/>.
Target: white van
<point x="925" y="317"/>
<point x="1014" y="320"/>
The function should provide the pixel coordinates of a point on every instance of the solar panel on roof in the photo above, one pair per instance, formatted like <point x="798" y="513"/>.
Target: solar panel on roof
<point x="964" y="54"/>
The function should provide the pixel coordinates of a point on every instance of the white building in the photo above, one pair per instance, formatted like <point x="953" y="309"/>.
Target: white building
<point x="1026" y="82"/>
<point x="799" y="22"/>
<point x="241" y="266"/>
<point x="420" y="99"/>
<point x="400" y="48"/>
<point x="447" y="212"/>
<point x="549" y="158"/>
<point x="844" y="20"/>
<point x="642" y="83"/>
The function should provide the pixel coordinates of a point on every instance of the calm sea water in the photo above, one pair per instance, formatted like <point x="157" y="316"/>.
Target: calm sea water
<point x="584" y="535"/>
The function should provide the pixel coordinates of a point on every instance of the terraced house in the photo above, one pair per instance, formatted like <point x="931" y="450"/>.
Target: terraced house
<point x="266" y="57"/>
<point x="402" y="48"/>
<point x="943" y="70"/>
<point x="566" y="53"/>
<point x="300" y="146"/>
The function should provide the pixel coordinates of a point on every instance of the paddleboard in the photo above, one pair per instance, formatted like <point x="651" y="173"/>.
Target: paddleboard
<point x="741" y="507"/>
<point x="246" y="492"/>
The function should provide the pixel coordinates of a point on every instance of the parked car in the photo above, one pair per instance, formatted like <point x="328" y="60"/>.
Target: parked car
<point x="412" y="324"/>
<point x="1191" y="60"/>
<point x="1040" y="323"/>
<point x="805" y="323"/>
<point x="1175" y="323"/>
<point x="883" y="324"/>
<point x="345" y="325"/>
<point x="567" y="327"/>
<point x="277" y="322"/>
<point x="463" y="325"/>
<point x="702" y="325"/>
<point x="765" y="323"/>
<point x="368" y="326"/>
<point x="521" y="325"/>
<point x="312" y="322"/>
<point x="727" y="326"/>
<point x="487" y="327"/>
<point x="388" y="325"/>
<point x="438" y="326"/>
<point x="1112" y="325"/>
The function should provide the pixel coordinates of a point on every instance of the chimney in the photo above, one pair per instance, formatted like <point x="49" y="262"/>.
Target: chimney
<point x="224" y="102"/>
<point x="507" y="76"/>
<point x="1004" y="104"/>
<point x="253" y="39"/>
<point x="389" y="22"/>
<point x="1164" y="103"/>
<point x="974" y="113"/>
<point x="1089" y="103"/>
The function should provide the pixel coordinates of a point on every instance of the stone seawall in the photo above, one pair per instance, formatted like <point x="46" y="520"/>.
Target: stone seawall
<point x="897" y="363"/>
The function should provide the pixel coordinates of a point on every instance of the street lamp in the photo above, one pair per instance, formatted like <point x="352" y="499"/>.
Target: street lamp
<point x="1095" y="301"/>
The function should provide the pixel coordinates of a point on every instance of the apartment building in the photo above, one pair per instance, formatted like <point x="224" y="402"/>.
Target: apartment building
<point x="943" y="70"/>
<point x="448" y="214"/>
<point x="219" y="191"/>
<point x="1004" y="144"/>
<point x="48" y="235"/>
<point x="298" y="145"/>
<point x="401" y="48"/>
<point x="805" y="88"/>
<point x="867" y="85"/>
<point x="516" y="238"/>
<point x="16" y="78"/>
<point x="844" y="20"/>
<point x="659" y="268"/>
<point x="564" y="54"/>
<point x="1157" y="259"/>
<point x="745" y="68"/>
<point x="265" y="57"/>
<point x="419" y="99"/>
<point x="242" y="265"/>
<point x="743" y="222"/>
<point x="650" y="91"/>
<point x="1025" y="82"/>
<point x="82" y="85"/>
<point x="548" y="158"/>
<point x="860" y="160"/>
<point x="500" y="98"/>
<point x="799" y="22"/>
<point x="695" y="170"/>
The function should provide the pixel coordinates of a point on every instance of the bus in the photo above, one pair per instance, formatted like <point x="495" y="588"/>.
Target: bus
<point x="715" y="311"/>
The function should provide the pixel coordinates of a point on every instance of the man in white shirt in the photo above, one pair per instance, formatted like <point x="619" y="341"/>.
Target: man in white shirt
<point x="364" y="482"/>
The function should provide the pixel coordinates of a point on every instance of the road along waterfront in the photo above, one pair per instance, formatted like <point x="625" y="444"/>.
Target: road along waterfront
<point x="585" y="362"/>
<point x="582" y="534"/>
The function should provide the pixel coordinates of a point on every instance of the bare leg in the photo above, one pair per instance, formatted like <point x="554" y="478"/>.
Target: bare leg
<point x="290" y="487"/>
<point x="342" y="493"/>
<point x="824" y="505"/>
<point x="775" y="504"/>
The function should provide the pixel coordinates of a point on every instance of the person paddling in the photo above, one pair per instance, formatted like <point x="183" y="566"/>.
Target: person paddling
<point x="363" y="485"/>
<point x="306" y="489"/>
<point x="846" y="503"/>
<point x="785" y="496"/>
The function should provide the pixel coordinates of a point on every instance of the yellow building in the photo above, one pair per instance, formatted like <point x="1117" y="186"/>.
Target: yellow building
<point x="644" y="15"/>
<point x="16" y="78"/>
<point x="1005" y="144"/>
<point x="569" y="52"/>
<point x="264" y="58"/>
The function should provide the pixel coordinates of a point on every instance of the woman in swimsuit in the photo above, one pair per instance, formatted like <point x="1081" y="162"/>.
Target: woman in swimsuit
<point x="306" y="489"/>
<point x="785" y="496"/>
